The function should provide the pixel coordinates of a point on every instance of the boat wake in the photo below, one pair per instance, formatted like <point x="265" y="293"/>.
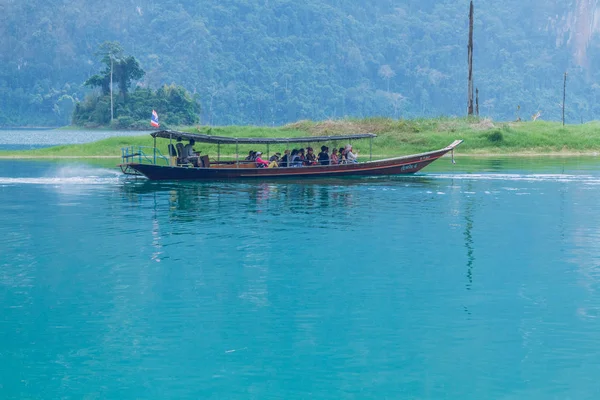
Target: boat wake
<point x="585" y="179"/>
<point x="68" y="175"/>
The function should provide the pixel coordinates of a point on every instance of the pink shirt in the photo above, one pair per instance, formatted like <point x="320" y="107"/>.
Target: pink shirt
<point x="261" y="161"/>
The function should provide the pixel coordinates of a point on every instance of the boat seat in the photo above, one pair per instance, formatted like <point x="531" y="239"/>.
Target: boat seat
<point x="180" y="150"/>
<point x="172" y="155"/>
<point x="181" y="155"/>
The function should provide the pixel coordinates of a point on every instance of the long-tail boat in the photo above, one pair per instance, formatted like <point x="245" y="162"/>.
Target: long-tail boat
<point x="151" y="163"/>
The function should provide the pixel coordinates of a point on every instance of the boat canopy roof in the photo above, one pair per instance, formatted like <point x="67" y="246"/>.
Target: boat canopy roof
<point x="199" y="137"/>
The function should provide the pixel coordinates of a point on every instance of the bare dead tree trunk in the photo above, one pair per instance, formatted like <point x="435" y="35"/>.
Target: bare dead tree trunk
<point x="470" y="50"/>
<point x="477" y="102"/>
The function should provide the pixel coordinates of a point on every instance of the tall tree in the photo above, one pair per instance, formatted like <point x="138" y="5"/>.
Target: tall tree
<point x="123" y="69"/>
<point x="110" y="52"/>
<point x="127" y="70"/>
<point x="387" y="73"/>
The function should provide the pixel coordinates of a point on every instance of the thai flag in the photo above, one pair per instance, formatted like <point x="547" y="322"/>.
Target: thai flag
<point x="154" y="119"/>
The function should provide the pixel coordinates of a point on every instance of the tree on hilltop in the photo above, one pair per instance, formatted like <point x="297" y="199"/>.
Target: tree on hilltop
<point x="119" y="67"/>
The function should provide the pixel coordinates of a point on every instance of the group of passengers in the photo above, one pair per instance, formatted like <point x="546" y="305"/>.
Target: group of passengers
<point x="305" y="157"/>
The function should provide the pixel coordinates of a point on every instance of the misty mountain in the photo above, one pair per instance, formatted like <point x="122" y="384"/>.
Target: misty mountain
<point x="275" y="61"/>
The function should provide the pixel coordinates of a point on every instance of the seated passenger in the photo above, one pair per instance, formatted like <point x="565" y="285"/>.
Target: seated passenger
<point x="302" y="156"/>
<point x="350" y="156"/>
<point x="296" y="161"/>
<point x="334" y="159"/>
<point x="250" y="154"/>
<point x="259" y="161"/>
<point x="285" y="160"/>
<point x="311" y="159"/>
<point x="342" y="155"/>
<point x="190" y="155"/>
<point x="274" y="160"/>
<point x="324" y="156"/>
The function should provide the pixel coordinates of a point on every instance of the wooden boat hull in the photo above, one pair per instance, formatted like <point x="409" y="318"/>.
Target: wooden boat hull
<point x="393" y="166"/>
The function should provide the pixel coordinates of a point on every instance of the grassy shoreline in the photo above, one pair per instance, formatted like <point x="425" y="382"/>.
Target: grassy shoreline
<point x="395" y="137"/>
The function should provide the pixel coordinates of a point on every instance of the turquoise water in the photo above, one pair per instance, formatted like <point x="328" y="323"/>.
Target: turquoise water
<point x="481" y="281"/>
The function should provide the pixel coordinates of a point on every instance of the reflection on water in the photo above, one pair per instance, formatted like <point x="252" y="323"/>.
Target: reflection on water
<point x="457" y="285"/>
<point x="199" y="197"/>
<point x="470" y="204"/>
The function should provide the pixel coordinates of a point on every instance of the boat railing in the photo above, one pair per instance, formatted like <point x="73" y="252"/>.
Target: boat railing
<point x="143" y="155"/>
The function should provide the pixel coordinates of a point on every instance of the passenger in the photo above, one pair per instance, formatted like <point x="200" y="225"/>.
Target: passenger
<point x="249" y="158"/>
<point x="254" y="155"/>
<point x="190" y="155"/>
<point x="324" y="156"/>
<point x="311" y="159"/>
<point x="259" y="161"/>
<point x="342" y="156"/>
<point x="302" y="156"/>
<point x="285" y="160"/>
<point x="334" y="159"/>
<point x="274" y="160"/>
<point x="350" y="156"/>
<point x="296" y="160"/>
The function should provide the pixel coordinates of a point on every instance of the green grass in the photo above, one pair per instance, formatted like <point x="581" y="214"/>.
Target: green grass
<point x="395" y="137"/>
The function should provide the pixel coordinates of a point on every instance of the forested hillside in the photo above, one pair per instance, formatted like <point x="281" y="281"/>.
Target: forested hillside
<point x="273" y="61"/>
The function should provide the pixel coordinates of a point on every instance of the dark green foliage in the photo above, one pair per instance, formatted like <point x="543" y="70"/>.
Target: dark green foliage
<point x="495" y="136"/>
<point x="270" y="62"/>
<point x="102" y="81"/>
<point x="126" y="71"/>
<point x="174" y="105"/>
<point x="124" y="122"/>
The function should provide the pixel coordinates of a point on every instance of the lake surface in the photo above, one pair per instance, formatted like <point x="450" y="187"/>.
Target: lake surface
<point x="26" y="139"/>
<point x="476" y="281"/>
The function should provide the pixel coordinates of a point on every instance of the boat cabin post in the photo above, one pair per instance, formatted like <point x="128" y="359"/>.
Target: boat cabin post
<point x="237" y="155"/>
<point x="170" y="146"/>
<point x="154" y="151"/>
<point x="371" y="149"/>
<point x="218" y="152"/>
<point x="268" y="150"/>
